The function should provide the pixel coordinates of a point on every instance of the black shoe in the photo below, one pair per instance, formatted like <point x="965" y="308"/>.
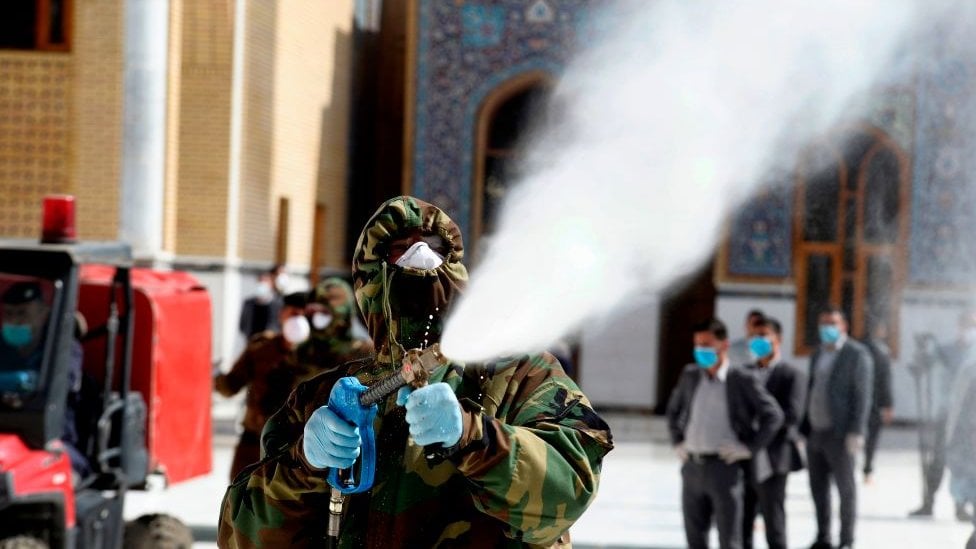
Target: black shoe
<point x="923" y="511"/>
<point x="962" y="515"/>
<point x="821" y="545"/>
<point x="847" y="546"/>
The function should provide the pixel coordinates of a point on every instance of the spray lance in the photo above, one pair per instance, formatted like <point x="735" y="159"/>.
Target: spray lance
<point x="359" y="408"/>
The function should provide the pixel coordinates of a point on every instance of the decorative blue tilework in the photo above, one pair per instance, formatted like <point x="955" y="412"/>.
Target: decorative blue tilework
<point x="540" y="12"/>
<point x="482" y="26"/>
<point x="465" y="50"/>
<point x="761" y="236"/>
<point x="761" y="233"/>
<point x="942" y="248"/>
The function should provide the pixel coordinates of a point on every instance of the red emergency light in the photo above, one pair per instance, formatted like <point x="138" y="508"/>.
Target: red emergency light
<point x="58" y="225"/>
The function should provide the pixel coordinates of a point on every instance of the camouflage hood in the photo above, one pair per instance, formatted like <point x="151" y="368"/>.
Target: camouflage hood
<point x="404" y="307"/>
<point x="341" y="315"/>
<point x="335" y="345"/>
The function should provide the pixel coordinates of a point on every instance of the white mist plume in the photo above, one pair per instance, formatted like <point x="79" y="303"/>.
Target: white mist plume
<point x="666" y="126"/>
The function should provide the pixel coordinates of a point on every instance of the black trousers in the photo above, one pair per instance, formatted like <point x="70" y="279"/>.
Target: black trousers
<point x="871" y="442"/>
<point x="769" y="498"/>
<point x="828" y="459"/>
<point x="935" y="465"/>
<point x="711" y="487"/>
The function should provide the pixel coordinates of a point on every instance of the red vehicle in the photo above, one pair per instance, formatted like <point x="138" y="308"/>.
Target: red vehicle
<point x="86" y="416"/>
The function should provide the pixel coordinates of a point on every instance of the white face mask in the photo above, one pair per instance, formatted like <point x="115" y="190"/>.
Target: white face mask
<point x="281" y="283"/>
<point x="420" y="256"/>
<point x="321" y="321"/>
<point x="264" y="293"/>
<point x="296" y="330"/>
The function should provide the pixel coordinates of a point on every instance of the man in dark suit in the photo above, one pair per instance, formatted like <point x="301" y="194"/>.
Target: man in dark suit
<point x="841" y="378"/>
<point x="882" y="403"/>
<point x="766" y="486"/>
<point x="719" y="417"/>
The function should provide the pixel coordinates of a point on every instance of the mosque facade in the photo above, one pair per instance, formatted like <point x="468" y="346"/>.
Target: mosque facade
<point x="879" y="228"/>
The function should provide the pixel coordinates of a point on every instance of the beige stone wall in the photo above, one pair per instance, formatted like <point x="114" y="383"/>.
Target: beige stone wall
<point x="35" y="136"/>
<point x="202" y="144"/>
<point x="332" y="184"/>
<point x="174" y="94"/>
<point x="61" y="127"/>
<point x="96" y="145"/>
<point x="296" y="127"/>
<point x="258" y="216"/>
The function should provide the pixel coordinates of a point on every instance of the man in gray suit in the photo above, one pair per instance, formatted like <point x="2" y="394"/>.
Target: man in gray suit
<point x="841" y="377"/>
<point x="719" y="417"/>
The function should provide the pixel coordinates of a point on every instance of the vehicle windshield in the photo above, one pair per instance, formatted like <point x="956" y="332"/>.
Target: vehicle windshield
<point x="25" y="313"/>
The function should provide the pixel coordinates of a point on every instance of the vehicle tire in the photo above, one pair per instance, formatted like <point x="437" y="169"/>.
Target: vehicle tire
<point x="157" y="532"/>
<point x="23" y="542"/>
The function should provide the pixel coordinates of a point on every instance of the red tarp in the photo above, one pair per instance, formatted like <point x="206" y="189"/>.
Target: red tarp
<point x="170" y="362"/>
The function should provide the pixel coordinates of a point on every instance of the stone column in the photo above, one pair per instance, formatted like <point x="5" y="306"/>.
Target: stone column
<point x="144" y="127"/>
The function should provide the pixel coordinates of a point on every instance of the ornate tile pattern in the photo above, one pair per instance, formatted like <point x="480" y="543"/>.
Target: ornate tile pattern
<point x="465" y="50"/>
<point x="35" y="137"/>
<point x="760" y="238"/>
<point x="761" y="234"/>
<point x="942" y="250"/>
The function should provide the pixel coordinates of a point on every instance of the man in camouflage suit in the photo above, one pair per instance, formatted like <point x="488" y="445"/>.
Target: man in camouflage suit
<point x="268" y="369"/>
<point x="332" y="343"/>
<point x="526" y="464"/>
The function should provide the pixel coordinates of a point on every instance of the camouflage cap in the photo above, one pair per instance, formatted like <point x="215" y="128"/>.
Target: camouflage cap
<point x="319" y="293"/>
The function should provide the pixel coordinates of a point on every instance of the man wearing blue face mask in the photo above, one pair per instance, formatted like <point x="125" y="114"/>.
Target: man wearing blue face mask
<point x="766" y="486"/>
<point x="22" y="333"/>
<point x="739" y="354"/>
<point x="718" y="417"/>
<point x="841" y="377"/>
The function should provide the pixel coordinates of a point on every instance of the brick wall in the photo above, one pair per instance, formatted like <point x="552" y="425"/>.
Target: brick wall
<point x="35" y="136"/>
<point x="61" y="127"/>
<point x="311" y="121"/>
<point x="296" y="126"/>
<point x="204" y="128"/>
<point x="96" y="144"/>
<point x="258" y="205"/>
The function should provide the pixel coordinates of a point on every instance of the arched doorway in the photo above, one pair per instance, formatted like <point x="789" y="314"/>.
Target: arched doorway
<point x="504" y="120"/>
<point x="850" y="233"/>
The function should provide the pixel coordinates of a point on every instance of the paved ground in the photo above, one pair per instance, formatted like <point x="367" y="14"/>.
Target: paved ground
<point x="638" y="505"/>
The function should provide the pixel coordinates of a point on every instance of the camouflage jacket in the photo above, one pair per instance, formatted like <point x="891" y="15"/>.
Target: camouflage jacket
<point x="528" y="467"/>
<point x="268" y="369"/>
<point x="327" y="355"/>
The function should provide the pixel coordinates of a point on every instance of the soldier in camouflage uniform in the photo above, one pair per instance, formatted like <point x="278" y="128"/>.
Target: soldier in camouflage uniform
<point x="332" y="344"/>
<point x="525" y="468"/>
<point x="268" y="369"/>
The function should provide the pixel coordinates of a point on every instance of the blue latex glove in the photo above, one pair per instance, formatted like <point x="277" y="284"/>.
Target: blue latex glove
<point x="434" y="415"/>
<point x="330" y="441"/>
<point x="403" y="394"/>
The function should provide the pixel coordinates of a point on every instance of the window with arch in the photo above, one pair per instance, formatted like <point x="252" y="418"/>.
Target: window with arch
<point x="35" y="24"/>
<point x="504" y="120"/>
<point x="850" y="234"/>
